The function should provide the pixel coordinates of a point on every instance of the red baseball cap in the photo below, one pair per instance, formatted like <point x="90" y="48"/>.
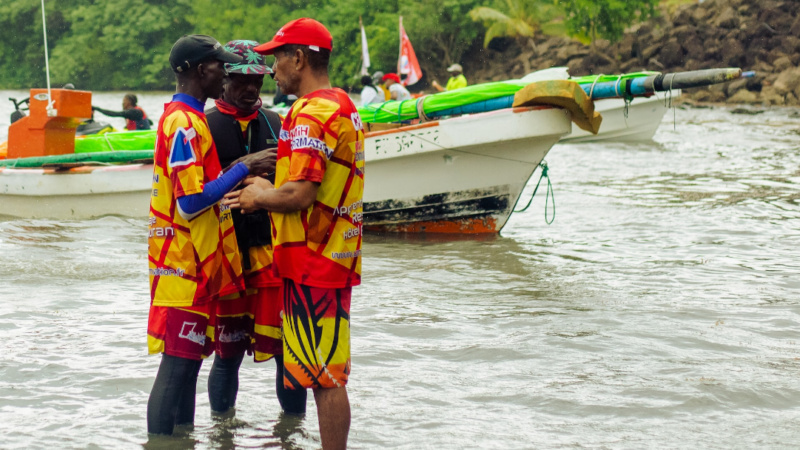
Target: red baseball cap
<point x="391" y="76"/>
<point x="303" y="31"/>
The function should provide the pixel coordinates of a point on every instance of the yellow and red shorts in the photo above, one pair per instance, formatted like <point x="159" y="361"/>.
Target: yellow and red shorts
<point x="316" y="336"/>
<point x="230" y="326"/>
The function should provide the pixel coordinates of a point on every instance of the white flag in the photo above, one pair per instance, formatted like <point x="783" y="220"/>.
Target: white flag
<point x="364" y="50"/>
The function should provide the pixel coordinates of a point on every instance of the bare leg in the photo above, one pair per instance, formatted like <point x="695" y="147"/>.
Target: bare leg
<point x="333" y="409"/>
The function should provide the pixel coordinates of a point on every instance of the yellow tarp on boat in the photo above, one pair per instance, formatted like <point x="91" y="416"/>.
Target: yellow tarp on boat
<point x="564" y="94"/>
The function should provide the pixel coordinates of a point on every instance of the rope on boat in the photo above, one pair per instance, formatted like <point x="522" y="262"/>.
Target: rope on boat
<point x="548" y="196"/>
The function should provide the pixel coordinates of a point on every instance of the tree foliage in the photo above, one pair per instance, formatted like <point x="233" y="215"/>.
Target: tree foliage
<point x="592" y="19"/>
<point x="124" y="44"/>
<point x="515" y="18"/>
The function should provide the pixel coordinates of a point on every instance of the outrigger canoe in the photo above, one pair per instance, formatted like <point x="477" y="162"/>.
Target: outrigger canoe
<point x="461" y="175"/>
<point x="455" y="169"/>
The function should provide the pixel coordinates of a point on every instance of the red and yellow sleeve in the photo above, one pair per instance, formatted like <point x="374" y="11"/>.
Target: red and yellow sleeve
<point x="185" y="156"/>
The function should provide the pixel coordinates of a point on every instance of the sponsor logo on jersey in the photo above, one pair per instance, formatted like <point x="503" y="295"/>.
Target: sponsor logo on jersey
<point x="188" y="332"/>
<point x="299" y="130"/>
<point x="346" y="210"/>
<point x="236" y="336"/>
<point x="182" y="153"/>
<point x="351" y="232"/>
<point x="312" y="143"/>
<point x="356" y="119"/>
<point x="161" y="232"/>
<point x="345" y="255"/>
<point x="167" y="272"/>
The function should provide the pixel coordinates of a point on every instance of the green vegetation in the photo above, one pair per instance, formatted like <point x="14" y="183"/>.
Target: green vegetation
<point x="588" y="20"/>
<point x="515" y="18"/>
<point x="124" y="44"/>
<point x="585" y="20"/>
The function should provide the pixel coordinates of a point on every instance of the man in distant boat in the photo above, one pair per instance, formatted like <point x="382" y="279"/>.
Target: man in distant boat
<point x="457" y="79"/>
<point x="396" y="89"/>
<point x="316" y="209"/>
<point x="135" y="117"/>
<point x="248" y="323"/>
<point x="370" y="93"/>
<point x="192" y="251"/>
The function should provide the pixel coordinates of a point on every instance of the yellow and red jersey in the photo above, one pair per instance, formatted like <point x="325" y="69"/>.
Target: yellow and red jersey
<point x="261" y="273"/>
<point x="191" y="261"/>
<point x="322" y="140"/>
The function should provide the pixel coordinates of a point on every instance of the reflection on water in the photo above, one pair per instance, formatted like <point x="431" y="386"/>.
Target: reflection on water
<point x="660" y="310"/>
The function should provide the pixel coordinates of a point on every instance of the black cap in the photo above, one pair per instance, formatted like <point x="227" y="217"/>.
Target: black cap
<point x="194" y="48"/>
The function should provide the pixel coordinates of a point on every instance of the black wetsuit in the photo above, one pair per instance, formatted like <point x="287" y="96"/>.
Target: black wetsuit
<point x="252" y="230"/>
<point x="135" y="115"/>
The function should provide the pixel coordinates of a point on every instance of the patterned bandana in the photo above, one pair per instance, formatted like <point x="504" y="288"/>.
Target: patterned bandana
<point x="253" y="64"/>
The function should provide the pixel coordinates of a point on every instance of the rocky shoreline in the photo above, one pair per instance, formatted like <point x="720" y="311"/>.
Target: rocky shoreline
<point x="758" y="35"/>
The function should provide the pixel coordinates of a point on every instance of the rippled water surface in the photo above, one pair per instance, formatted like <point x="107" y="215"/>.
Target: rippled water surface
<point x="660" y="310"/>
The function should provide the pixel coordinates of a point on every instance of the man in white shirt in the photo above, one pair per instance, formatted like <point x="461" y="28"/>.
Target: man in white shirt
<point x="370" y="94"/>
<point x="398" y="91"/>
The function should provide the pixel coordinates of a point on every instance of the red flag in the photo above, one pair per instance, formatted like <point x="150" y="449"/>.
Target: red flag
<point x="408" y="64"/>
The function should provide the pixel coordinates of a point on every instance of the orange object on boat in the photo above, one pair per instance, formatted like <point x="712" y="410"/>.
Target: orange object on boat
<point x="40" y="134"/>
<point x="3" y="150"/>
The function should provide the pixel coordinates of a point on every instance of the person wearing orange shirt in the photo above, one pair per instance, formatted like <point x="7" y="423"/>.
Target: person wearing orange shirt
<point x="316" y="209"/>
<point x="192" y="253"/>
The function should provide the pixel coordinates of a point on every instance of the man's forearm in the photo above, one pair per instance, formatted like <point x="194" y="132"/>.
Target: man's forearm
<point x="277" y="201"/>
<point x="288" y="198"/>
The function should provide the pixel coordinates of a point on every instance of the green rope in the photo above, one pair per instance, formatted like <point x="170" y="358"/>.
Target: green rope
<point x="550" y="194"/>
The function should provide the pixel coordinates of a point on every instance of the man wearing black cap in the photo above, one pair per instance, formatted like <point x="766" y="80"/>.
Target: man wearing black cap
<point x="193" y="255"/>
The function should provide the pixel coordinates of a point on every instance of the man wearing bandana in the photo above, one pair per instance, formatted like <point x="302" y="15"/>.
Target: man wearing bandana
<point x="248" y="323"/>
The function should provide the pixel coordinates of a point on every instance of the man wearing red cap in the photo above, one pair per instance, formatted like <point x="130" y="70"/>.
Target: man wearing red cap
<point x="316" y="210"/>
<point x="396" y="89"/>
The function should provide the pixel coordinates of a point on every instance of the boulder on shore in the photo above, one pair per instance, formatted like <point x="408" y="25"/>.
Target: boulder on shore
<point x="758" y="35"/>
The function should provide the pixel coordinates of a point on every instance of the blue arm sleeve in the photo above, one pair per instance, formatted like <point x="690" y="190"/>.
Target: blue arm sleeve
<point x="190" y="205"/>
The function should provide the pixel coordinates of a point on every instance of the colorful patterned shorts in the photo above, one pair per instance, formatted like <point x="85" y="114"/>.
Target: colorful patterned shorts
<point x="316" y="336"/>
<point x="229" y="326"/>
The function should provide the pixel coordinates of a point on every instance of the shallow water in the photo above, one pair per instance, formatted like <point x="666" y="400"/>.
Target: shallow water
<point x="660" y="310"/>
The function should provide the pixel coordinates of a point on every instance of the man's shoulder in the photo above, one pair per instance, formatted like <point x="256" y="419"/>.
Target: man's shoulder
<point x="186" y="119"/>
<point x="321" y="106"/>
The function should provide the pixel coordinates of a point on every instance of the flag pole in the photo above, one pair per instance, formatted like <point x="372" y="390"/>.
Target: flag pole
<point x="361" y="27"/>
<point x="400" y="55"/>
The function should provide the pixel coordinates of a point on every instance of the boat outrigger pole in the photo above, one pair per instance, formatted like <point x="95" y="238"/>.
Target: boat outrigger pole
<point x="629" y="88"/>
<point x="645" y="86"/>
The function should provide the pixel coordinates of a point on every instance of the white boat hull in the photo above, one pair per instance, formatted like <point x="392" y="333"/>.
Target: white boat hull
<point x="76" y="193"/>
<point x="644" y="118"/>
<point x="462" y="175"/>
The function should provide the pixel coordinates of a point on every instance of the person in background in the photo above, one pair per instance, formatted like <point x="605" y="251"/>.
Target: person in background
<point x="316" y="207"/>
<point x="397" y="90"/>
<point x="377" y="81"/>
<point x="192" y="252"/>
<point x="248" y="323"/>
<point x="135" y="117"/>
<point x="370" y="94"/>
<point x="457" y="79"/>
